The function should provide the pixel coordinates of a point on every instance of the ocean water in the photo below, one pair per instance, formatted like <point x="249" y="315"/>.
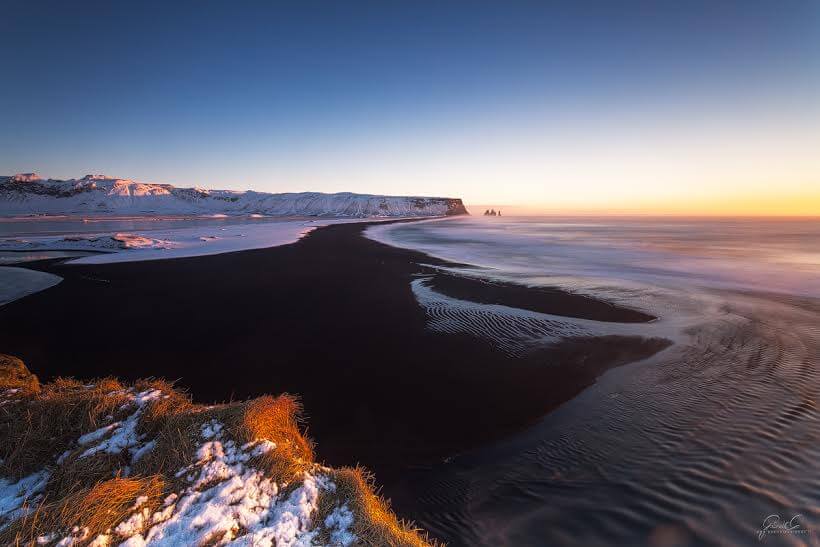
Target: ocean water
<point x="780" y="255"/>
<point x="707" y="443"/>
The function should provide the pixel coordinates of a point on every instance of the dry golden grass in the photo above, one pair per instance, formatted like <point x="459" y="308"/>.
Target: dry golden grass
<point x="45" y="422"/>
<point x="37" y="429"/>
<point x="96" y="509"/>
<point x="275" y="419"/>
<point x="177" y="437"/>
<point x="109" y="502"/>
<point x="176" y="423"/>
<point x="374" y="523"/>
<point x="15" y="375"/>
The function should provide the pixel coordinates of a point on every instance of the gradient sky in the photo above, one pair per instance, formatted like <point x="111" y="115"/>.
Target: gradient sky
<point x="661" y="106"/>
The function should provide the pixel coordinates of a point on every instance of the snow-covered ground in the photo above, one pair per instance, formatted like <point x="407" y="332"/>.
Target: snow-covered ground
<point x="18" y="282"/>
<point x="28" y="194"/>
<point x="225" y="498"/>
<point x="157" y="245"/>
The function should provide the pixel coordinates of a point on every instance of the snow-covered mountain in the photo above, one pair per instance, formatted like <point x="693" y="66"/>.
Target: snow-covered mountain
<point x="27" y="193"/>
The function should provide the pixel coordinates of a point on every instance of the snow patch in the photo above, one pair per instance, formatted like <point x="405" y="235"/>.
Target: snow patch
<point x="15" y="283"/>
<point x="228" y="500"/>
<point x="134" y="241"/>
<point x="224" y="499"/>
<point x="339" y="523"/>
<point x="122" y="436"/>
<point x="16" y="497"/>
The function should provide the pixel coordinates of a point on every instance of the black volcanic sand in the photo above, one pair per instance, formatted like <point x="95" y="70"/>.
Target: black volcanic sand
<point x="331" y="318"/>
<point x="540" y="299"/>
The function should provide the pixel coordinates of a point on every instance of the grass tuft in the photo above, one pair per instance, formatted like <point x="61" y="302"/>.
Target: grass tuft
<point x="375" y="524"/>
<point x="275" y="419"/>
<point x="89" y="495"/>
<point x="86" y="512"/>
<point x="38" y="429"/>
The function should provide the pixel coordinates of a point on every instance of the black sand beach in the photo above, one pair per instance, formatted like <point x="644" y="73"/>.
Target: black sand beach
<point x="331" y="318"/>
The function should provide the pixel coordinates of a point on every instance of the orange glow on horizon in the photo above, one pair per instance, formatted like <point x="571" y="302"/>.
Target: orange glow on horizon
<point x="796" y="205"/>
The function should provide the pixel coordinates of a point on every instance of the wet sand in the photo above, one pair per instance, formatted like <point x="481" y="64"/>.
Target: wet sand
<point x="539" y="299"/>
<point x="331" y="318"/>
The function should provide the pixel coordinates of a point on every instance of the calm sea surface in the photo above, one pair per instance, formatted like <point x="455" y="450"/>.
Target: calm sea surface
<point x="700" y="444"/>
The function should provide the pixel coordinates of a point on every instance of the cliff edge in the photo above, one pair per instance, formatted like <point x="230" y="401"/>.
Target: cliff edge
<point x="27" y="194"/>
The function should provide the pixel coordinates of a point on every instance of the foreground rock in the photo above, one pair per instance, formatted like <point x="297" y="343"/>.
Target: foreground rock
<point x="15" y="375"/>
<point x="107" y="464"/>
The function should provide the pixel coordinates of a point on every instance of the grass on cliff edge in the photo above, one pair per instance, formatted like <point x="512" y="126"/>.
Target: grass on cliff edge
<point x="39" y="423"/>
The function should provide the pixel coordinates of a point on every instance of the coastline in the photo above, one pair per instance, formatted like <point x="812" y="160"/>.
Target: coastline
<point x="331" y="318"/>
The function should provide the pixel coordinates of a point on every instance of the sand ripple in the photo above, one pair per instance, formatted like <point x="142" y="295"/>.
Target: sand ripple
<point x="511" y="330"/>
<point x="696" y="446"/>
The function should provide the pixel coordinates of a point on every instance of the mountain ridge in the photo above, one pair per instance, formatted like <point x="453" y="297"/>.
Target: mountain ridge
<point x="27" y="193"/>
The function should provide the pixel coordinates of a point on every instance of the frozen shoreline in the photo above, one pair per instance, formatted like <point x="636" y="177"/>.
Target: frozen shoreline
<point x="183" y="242"/>
<point x="15" y="283"/>
<point x="141" y="245"/>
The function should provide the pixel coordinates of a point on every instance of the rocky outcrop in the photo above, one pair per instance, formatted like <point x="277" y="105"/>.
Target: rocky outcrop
<point x="15" y="375"/>
<point x="456" y="207"/>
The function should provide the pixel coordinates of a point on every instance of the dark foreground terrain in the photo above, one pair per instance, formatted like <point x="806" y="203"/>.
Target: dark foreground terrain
<point x="331" y="318"/>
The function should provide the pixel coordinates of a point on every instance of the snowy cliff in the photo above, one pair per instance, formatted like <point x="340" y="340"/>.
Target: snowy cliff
<point x="27" y="193"/>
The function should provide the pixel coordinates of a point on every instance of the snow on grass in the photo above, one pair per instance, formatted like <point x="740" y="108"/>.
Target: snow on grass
<point x="8" y="396"/>
<point x="122" y="436"/>
<point x="224" y="499"/>
<point x="207" y="480"/>
<point x="339" y="522"/>
<point x="227" y="500"/>
<point x="16" y="497"/>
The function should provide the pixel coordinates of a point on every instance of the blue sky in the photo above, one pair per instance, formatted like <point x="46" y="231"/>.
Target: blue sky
<point x="509" y="102"/>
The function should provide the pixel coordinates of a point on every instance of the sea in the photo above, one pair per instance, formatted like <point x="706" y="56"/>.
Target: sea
<point x="713" y="441"/>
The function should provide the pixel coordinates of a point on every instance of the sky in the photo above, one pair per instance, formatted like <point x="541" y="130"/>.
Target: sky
<point x="623" y="106"/>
